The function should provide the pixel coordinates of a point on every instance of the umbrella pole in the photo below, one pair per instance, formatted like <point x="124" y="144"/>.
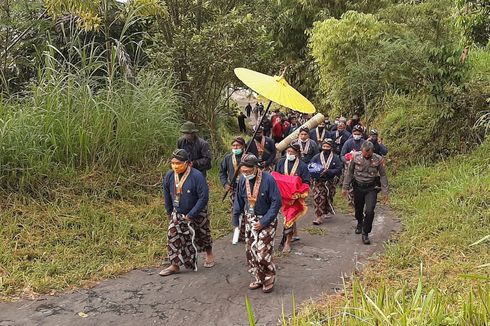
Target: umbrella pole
<point x="235" y="176"/>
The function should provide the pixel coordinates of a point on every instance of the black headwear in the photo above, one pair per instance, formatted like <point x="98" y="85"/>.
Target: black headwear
<point x="239" y="140"/>
<point x="181" y="155"/>
<point x="328" y="141"/>
<point x="295" y="145"/>
<point x="249" y="160"/>
<point x="357" y="128"/>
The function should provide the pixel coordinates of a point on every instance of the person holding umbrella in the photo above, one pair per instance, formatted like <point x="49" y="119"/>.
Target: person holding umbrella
<point x="259" y="199"/>
<point x="263" y="147"/>
<point x="228" y="167"/>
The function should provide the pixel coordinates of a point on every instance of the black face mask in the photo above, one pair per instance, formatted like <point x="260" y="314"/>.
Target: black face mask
<point x="355" y="121"/>
<point x="258" y="138"/>
<point x="326" y="151"/>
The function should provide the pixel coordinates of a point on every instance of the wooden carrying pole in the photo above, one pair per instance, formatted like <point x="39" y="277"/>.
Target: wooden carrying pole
<point x="311" y="124"/>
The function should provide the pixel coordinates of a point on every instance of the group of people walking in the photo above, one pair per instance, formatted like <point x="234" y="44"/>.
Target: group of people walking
<point x="319" y="160"/>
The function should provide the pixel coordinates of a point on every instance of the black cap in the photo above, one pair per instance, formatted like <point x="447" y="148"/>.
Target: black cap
<point x="373" y="132"/>
<point x="181" y="155"/>
<point x="357" y="128"/>
<point x="328" y="141"/>
<point x="239" y="140"/>
<point x="304" y="129"/>
<point x="249" y="160"/>
<point x="295" y="145"/>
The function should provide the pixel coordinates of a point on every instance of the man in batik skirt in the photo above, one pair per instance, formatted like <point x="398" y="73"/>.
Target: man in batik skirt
<point x="186" y="198"/>
<point x="228" y="168"/>
<point x="258" y="197"/>
<point x="325" y="180"/>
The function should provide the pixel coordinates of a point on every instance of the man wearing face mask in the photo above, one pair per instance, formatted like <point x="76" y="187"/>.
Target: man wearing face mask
<point x="361" y="175"/>
<point x="186" y="198"/>
<point x="338" y="121"/>
<point x="292" y="165"/>
<point x="196" y="147"/>
<point x="379" y="148"/>
<point x="339" y="137"/>
<point x="264" y="148"/>
<point x="352" y="145"/>
<point x="319" y="133"/>
<point x="259" y="199"/>
<point x="308" y="147"/>
<point x="227" y="170"/>
<point x="325" y="180"/>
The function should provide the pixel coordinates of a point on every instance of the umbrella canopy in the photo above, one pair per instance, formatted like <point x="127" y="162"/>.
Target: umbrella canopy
<point x="276" y="89"/>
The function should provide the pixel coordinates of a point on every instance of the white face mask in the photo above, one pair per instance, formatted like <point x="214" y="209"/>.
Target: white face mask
<point x="290" y="157"/>
<point x="357" y="137"/>
<point x="249" y="177"/>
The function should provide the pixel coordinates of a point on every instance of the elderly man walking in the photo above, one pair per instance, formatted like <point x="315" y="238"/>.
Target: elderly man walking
<point x="186" y="198"/>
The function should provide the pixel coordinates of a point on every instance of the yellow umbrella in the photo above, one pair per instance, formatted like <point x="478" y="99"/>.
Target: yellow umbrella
<point x="276" y="89"/>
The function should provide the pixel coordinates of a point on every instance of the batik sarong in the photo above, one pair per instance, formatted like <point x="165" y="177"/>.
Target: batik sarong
<point x="323" y="193"/>
<point x="260" y="249"/>
<point x="186" y="238"/>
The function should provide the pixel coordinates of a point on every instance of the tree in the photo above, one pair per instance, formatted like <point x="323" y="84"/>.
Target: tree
<point x="203" y="43"/>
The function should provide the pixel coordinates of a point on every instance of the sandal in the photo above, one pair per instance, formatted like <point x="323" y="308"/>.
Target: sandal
<point x="268" y="285"/>
<point x="209" y="264"/>
<point x="267" y="288"/>
<point x="254" y="285"/>
<point x="168" y="271"/>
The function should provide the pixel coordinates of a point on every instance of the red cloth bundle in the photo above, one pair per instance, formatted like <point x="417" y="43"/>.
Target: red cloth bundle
<point x="293" y="194"/>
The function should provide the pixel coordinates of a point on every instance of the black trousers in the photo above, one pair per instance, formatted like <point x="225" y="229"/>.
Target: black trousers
<point x="242" y="126"/>
<point x="365" y="203"/>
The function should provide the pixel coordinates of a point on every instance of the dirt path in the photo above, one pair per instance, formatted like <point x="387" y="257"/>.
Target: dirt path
<point x="214" y="296"/>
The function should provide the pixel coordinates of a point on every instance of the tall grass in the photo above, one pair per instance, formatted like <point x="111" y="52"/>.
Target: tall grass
<point x="72" y="121"/>
<point x="384" y="305"/>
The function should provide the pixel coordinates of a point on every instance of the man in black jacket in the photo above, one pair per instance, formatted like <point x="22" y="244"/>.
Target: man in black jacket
<point x="198" y="148"/>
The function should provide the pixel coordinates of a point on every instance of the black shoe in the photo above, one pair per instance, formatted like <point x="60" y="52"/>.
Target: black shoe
<point x="358" y="228"/>
<point x="365" y="239"/>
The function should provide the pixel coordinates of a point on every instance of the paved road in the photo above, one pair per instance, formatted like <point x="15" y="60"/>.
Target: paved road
<point x="214" y="296"/>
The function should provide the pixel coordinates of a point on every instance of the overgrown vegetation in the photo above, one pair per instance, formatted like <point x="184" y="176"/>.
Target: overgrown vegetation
<point x="436" y="271"/>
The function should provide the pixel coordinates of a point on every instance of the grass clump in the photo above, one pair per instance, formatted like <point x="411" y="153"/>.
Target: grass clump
<point x="436" y="271"/>
<point x="95" y="229"/>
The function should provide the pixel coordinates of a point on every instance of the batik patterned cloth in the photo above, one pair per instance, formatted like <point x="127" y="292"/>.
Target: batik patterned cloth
<point x="323" y="193"/>
<point x="186" y="238"/>
<point x="260" y="249"/>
